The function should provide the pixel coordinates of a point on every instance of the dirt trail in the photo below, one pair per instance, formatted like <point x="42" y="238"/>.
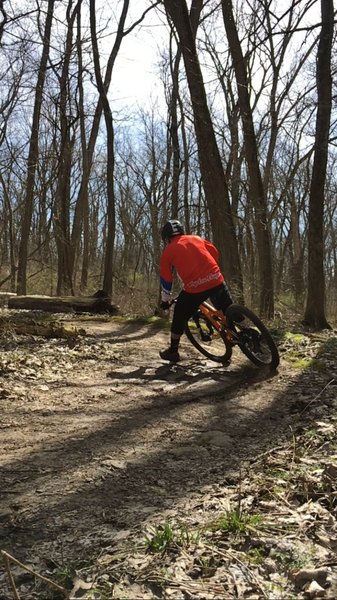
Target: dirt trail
<point x="99" y="435"/>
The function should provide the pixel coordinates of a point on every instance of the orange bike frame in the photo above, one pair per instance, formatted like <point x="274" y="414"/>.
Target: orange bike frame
<point x="217" y="318"/>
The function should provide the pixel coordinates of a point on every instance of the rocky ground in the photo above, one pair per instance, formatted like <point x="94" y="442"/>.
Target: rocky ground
<point x="125" y="477"/>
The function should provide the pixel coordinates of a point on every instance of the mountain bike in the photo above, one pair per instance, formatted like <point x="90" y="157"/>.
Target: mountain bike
<point x="215" y="335"/>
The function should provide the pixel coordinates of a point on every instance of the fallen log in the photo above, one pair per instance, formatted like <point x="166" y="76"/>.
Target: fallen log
<point x="4" y="296"/>
<point x="65" y="304"/>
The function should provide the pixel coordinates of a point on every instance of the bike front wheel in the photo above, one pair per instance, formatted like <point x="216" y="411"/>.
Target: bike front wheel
<point x="208" y="340"/>
<point x="252" y="336"/>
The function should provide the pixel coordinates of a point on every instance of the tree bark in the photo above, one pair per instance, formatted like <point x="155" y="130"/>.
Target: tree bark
<point x="315" y="303"/>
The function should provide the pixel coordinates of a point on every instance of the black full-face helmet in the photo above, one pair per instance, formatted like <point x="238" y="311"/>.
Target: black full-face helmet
<point x="170" y="229"/>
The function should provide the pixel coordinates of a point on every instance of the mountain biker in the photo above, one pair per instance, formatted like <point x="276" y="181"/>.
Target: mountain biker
<point x="195" y="262"/>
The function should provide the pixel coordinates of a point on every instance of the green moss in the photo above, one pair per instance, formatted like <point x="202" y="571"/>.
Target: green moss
<point x="297" y="338"/>
<point x="153" y="320"/>
<point x="299" y="362"/>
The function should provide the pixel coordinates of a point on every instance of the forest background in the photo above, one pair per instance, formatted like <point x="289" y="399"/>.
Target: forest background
<point x="236" y="138"/>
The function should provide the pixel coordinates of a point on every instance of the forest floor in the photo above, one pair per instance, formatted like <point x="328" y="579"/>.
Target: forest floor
<point x="126" y="477"/>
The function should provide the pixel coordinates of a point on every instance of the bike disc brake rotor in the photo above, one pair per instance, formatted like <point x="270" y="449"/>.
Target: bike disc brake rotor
<point x="254" y="341"/>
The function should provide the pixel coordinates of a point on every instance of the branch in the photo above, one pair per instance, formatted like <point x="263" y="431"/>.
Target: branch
<point x="127" y="31"/>
<point x="7" y="558"/>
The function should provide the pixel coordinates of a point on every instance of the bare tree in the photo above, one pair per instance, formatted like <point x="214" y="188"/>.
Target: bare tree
<point x="174" y="103"/>
<point x="65" y="191"/>
<point x="315" y="305"/>
<point x="62" y="192"/>
<point x="82" y="199"/>
<point x="103" y="84"/>
<point x="256" y="189"/>
<point x="8" y="234"/>
<point x="111" y="209"/>
<point x="33" y="153"/>
<point x="213" y="176"/>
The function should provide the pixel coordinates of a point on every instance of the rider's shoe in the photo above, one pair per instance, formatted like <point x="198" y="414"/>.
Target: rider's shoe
<point x="171" y="355"/>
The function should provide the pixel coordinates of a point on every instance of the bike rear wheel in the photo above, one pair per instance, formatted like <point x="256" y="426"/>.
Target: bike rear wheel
<point x="208" y="340"/>
<point x="252" y="336"/>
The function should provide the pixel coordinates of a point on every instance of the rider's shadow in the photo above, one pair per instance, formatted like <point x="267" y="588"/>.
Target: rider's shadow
<point x="173" y="373"/>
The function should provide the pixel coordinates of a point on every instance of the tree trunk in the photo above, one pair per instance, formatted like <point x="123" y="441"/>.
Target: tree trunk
<point x="174" y="135"/>
<point x="256" y="192"/>
<point x="10" y="233"/>
<point x="62" y="194"/>
<point x="315" y="304"/>
<point x="213" y="177"/>
<point x="33" y="156"/>
<point x="111" y="209"/>
<point x="83" y="196"/>
<point x="175" y="101"/>
<point x="297" y="255"/>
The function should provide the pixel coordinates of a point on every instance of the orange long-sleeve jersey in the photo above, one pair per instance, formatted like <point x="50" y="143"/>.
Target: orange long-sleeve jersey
<point x="195" y="262"/>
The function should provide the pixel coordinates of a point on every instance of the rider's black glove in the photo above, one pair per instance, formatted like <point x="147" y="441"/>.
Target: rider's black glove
<point x="164" y="305"/>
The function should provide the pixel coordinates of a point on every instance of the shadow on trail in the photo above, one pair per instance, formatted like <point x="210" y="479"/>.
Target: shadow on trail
<point x="130" y="332"/>
<point x="190" y="372"/>
<point x="164" y="443"/>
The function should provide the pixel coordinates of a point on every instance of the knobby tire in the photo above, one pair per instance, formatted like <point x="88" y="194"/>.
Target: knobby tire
<point x="239" y="317"/>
